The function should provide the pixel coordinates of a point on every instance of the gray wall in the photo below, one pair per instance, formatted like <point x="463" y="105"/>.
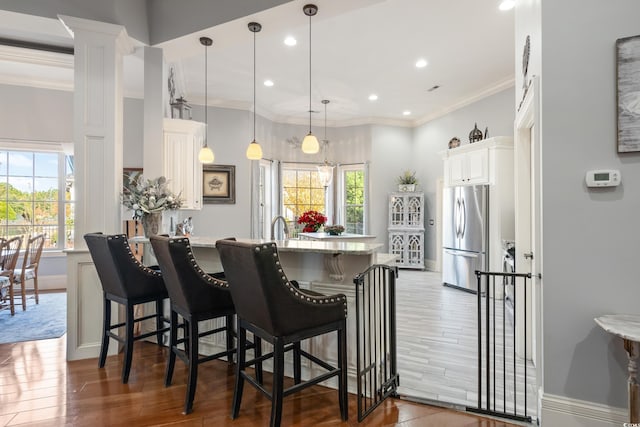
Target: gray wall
<point x="590" y="241"/>
<point x="131" y="14"/>
<point x="429" y="140"/>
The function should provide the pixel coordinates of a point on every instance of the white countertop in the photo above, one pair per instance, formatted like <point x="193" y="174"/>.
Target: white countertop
<point x="292" y="245"/>
<point x="343" y="236"/>
<point x="626" y="326"/>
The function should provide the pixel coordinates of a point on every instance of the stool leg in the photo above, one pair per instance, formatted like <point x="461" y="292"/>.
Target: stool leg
<point x="128" y="344"/>
<point x="343" y="397"/>
<point x="106" y="323"/>
<point x="23" y="291"/>
<point x="240" y="366"/>
<point x="193" y="366"/>
<point x="278" y="382"/>
<point x="159" y="322"/>
<point x="297" y="364"/>
<point x="173" y="347"/>
<point x="229" y="335"/>
<point x="257" y="352"/>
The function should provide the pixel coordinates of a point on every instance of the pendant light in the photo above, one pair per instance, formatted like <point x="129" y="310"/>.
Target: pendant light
<point x="310" y="142"/>
<point x="206" y="154"/>
<point x="254" y="151"/>
<point x="325" y="171"/>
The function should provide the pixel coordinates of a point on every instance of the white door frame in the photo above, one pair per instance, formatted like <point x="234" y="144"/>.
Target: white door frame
<point x="527" y="148"/>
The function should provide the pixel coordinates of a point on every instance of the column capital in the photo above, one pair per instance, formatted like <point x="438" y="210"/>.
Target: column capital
<point x="118" y="32"/>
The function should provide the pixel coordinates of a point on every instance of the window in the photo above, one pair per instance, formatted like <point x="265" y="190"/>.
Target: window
<point x="36" y="196"/>
<point x="302" y="191"/>
<point x="353" y="198"/>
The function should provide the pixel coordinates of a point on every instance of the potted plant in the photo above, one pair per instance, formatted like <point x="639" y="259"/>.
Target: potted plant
<point x="148" y="198"/>
<point x="334" y="230"/>
<point x="312" y="221"/>
<point x="407" y="181"/>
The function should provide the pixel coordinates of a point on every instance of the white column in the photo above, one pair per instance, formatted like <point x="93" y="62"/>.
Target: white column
<point x="98" y="115"/>
<point x="155" y="88"/>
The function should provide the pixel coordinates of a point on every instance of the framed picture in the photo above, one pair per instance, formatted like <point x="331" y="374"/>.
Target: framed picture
<point x="628" y="93"/>
<point x="219" y="184"/>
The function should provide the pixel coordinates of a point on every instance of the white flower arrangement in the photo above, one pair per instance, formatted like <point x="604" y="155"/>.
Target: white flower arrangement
<point x="147" y="196"/>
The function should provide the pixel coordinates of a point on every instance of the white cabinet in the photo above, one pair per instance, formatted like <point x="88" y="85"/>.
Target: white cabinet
<point x="182" y="140"/>
<point x="406" y="228"/>
<point x="477" y="163"/>
<point x="469" y="168"/>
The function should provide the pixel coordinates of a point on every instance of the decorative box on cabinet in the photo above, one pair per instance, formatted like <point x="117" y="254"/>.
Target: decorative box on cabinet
<point x="182" y="140"/>
<point x="406" y="228"/>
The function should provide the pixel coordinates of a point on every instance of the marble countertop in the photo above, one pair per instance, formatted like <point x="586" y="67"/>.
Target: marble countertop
<point x="626" y="326"/>
<point x="292" y="245"/>
<point x="327" y="236"/>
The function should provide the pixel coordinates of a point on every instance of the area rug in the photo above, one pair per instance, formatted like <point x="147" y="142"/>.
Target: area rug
<point x="39" y="322"/>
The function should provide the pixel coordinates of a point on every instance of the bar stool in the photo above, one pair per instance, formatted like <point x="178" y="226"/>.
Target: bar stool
<point x="125" y="281"/>
<point x="274" y="309"/>
<point x="195" y="296"/>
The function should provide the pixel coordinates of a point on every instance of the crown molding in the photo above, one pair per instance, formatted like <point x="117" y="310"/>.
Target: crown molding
<point x="487" y="91"/>
<point x="35" y="57"/>
<point x="37" y="83"/>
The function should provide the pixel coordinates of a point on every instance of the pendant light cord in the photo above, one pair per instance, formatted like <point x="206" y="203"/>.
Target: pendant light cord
<point x="254" y="86"/>
<point x="309" y="73"/>
<point x="206" y="97"/>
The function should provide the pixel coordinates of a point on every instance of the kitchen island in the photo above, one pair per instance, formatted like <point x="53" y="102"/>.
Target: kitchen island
<point x="328" y="267"/>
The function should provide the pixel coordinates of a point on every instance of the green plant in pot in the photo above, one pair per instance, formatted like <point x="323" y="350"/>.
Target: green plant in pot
<point x="334" y="230"/>
<point x="407" y="181"/>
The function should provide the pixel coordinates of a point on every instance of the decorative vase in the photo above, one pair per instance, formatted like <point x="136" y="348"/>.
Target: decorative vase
<point x="334" y="233"/>
<point x="152" y="223"/>
<point x="406" y="187"/>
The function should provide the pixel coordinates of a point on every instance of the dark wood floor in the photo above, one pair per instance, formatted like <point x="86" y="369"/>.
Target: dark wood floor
<point x="38" y="387"/>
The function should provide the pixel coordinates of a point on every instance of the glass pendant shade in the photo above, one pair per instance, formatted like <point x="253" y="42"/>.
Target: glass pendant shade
<point x="206" y="155"/>
<point x="325" y="173"/>
<point x="310" y="144"/>
<point x="254" y="151"/>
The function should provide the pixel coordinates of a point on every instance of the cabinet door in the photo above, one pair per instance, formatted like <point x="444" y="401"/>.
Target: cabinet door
<point x="182" y="141"/>
<point x="477" y="166"/>
<point x="397" y="245"/>
<point x="456" y="169"/>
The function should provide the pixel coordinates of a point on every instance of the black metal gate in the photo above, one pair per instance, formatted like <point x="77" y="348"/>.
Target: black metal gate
<point x="377" y="372"/>
<point x="502" y="373"/>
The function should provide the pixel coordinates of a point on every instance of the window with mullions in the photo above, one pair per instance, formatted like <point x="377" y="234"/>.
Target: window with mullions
<point x="301" y="191"/>
<point x="354" y="200"/>
<point x="36" y="196"/>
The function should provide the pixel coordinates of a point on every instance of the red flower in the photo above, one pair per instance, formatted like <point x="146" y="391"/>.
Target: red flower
<point x="312" y="221"/>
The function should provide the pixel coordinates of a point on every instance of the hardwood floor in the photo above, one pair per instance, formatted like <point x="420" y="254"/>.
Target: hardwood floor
<point x="39" y="388"/>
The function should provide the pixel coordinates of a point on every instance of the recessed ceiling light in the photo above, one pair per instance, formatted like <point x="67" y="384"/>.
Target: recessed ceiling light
<point x="421" y="63"/>
<point x="373" y="97"/>
<point x="290" y="41"/>
<point x="406" y="113"/>
<point x="507" y="4"/>
<point x="268" y="83"/>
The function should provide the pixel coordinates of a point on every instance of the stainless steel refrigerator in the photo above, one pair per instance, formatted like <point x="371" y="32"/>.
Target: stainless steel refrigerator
<point x="465" y="235"/>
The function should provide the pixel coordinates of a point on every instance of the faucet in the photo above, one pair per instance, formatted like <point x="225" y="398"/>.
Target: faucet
<point x="285" y="227"/>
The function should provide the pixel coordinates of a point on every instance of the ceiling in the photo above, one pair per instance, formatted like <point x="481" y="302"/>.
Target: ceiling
<point x="359" y="48"/>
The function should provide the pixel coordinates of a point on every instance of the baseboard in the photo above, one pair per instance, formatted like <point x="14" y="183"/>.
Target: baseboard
<point x="46" y="283"/>
<point x="431" y="265"/>
<point x="566" y="412"/>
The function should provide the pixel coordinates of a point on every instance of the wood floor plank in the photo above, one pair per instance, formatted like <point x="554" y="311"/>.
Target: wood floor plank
<point x="44" y="389"/>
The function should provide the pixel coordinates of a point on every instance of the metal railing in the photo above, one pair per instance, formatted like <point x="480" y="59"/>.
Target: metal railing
<point x="502" y="373"/>
<point x="377" y="372"/>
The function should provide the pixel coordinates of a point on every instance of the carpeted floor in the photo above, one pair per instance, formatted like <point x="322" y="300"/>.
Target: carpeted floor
<point x="40" y="321"/>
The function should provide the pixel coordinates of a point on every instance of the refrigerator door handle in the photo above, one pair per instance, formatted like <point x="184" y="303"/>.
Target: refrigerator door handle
<point x="463" y="223"/>
<point x="456" y="216"/>
<point x="462" y="254"/>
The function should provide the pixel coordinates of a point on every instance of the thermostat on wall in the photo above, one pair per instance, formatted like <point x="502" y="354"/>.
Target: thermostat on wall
<point x="603" y="178"/>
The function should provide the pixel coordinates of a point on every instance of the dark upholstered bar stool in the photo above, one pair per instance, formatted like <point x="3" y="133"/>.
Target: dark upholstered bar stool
<point x="274" y="309"/>
<point x="127" y="282"/>
<point x="195" y="296"/>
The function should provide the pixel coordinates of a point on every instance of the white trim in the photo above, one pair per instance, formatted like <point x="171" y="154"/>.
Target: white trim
<point x="36" y="57"/>
<point x="430" y="265"/>
<point x="566" y="412"/>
